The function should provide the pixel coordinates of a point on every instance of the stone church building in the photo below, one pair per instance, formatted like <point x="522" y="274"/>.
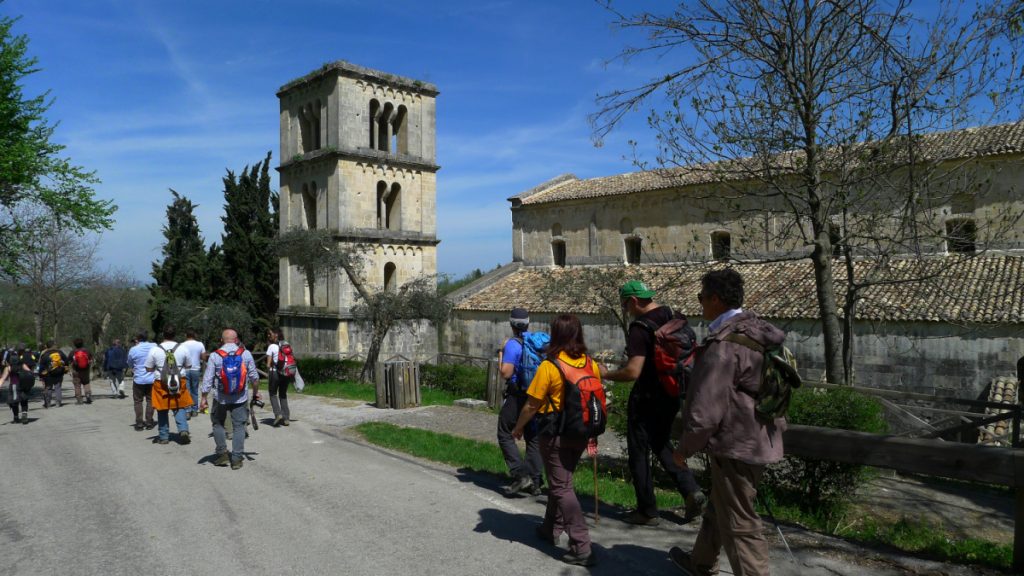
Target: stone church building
<point x="358" y="158"/>
<point x="950" y="334"/>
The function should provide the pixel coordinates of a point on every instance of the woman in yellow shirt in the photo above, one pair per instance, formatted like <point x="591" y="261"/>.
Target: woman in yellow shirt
<point x="560" y="453"/>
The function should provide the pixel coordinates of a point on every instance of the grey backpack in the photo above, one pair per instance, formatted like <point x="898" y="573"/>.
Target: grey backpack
<point x="170" y="373"/>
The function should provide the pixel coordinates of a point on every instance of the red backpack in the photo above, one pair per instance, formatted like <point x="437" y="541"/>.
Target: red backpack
<point x="584" y="409"/>
<point x="674" y="351"/>
<point x="286" y="365"/>
<point x="81" y="358"/>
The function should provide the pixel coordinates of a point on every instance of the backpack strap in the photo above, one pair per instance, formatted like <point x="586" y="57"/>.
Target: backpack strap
<point x="744" y="340"/>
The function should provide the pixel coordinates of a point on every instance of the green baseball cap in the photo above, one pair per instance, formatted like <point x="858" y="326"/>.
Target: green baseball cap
<point x="635" y="288"/>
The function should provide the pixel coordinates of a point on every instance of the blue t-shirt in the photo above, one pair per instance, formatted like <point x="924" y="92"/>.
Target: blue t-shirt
<point x="511" y="354"/>
<point x="137" y="358"/>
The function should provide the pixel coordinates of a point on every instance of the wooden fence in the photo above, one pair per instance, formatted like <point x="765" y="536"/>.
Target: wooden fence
<point x="989" y="464"/>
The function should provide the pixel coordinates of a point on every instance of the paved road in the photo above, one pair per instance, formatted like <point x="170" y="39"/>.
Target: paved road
<point x="84" y="494"/>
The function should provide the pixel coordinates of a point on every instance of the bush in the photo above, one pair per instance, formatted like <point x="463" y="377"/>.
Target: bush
<point x="820" y="486"/>
<point x="462" y="381"/>
<point x="318" y="370"/>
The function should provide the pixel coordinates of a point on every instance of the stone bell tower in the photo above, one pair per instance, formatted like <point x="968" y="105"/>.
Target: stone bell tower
<point x="358" y="158"/>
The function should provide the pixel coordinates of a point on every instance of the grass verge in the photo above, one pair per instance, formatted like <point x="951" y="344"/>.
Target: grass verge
<point x="486" y="457"/>
<point x="905" y="534"/>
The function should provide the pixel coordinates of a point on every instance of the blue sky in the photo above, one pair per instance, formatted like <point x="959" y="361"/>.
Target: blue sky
<point x="156" y="95"/>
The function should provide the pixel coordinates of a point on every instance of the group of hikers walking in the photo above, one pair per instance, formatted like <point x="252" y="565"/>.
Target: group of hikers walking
<point x="729" y="387"/>
<point x="168" y="378"/>
<point x="732" y="398"/>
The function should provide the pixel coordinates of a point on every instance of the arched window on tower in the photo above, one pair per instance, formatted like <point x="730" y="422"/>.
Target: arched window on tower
<point x="390" y="279"/>
<point x="309" y="205"/>
<point x="317" y="134"/>
<point x="400" y="138"/>
<point x="393" y="208"/>
<point x="382" y="190"/>
<point x="374" y="118"/>
<point x="384" y="127"/>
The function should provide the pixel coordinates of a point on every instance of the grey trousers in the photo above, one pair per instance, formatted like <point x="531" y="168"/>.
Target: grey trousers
<point x="239" y="414"/>
<point x="532" y="465"/>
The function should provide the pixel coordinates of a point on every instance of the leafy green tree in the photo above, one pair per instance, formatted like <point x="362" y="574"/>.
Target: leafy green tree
<point x="32" y="172"/>
<point x="249" y="231"/>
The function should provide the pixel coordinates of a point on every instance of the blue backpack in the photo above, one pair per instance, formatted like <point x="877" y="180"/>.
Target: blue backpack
<point x="233" y="373"/>
<point x="532" y="355"/>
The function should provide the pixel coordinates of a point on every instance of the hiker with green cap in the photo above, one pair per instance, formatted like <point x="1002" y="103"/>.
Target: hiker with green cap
<point x="652" y="407"/>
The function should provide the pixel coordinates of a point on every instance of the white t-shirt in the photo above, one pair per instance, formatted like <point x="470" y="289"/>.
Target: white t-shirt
<point x="272" y="352"/>
<point x="195" y="350"/>
<point x="158" y="354"/>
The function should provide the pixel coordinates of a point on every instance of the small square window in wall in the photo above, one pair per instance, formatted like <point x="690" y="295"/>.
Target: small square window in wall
<point x="960" y="235"/>
<point x="558" y="252"/>
<point x="721" y="245"/>
<point x="633" y="250"/>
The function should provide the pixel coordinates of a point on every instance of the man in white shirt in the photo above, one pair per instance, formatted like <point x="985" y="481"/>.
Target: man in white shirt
<point x="173" y="394"/>
<point x="196" y="354"/>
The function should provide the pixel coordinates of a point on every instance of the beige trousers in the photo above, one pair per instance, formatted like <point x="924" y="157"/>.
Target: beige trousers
<point x="730" y="521"/>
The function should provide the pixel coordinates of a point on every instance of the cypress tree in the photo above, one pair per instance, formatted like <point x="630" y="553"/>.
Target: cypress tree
<point x="249" y="230"/>
<point x="182" y="274"/>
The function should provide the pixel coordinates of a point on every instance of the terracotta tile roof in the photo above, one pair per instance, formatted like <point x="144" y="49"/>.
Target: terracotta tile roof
<point x="956" y="289"/>
<point x="966" y="143"/>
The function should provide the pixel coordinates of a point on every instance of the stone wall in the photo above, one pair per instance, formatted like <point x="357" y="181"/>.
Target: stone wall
<point x="927" y="358"/>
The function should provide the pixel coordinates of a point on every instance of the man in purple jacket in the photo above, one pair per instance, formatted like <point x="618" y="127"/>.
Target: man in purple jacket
<point x="719" y="418"/>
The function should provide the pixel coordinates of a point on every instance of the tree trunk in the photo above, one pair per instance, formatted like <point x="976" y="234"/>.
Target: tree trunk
<point x="831" y="330"/>
<point x="369" y="371"/>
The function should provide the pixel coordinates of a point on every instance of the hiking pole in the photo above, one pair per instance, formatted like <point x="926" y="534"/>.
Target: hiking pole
<point x="764" y="502"/>
<point x="592" y="450"/>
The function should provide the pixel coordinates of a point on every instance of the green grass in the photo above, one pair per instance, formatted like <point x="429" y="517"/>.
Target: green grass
<point x="485" y="457"/>
<point x="905" y="534"/>
<point x="368" y="393"/>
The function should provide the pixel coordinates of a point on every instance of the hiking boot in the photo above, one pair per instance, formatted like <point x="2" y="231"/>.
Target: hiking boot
<point x="139" y="427"/>
<point x="685" y="563"/>
<point x="284" y="421"/>
<point x="184" y="437"/>
<point x="24" y="417"/>
<point x="163" y="441"/>
<point x="520" y="484"/>
<point x="277" y="422"/>
<point x="534" y="489"/>
<point x="150" y="425"/>
<point x="579" y="559"/>
<point x="640" y="519"/>
<point x="695" y="505"/>
<point x="15" y="421"/>
<point x="236" y="464"/>
<point x="88" y="399"/>
<point x="223" y="459"/>
<point x="121" y="395"/>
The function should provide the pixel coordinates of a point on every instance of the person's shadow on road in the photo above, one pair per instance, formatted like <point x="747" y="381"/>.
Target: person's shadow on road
<point x="515" y="528"/>
<point x="209" y="458"/>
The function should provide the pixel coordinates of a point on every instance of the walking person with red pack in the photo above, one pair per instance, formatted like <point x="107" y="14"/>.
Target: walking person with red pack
<point x="281" y="371"/>
<point x="230" y="373"/>
<point x="567" y="396"/>
<point x="655" y="398"/>
<point x="81" y="369"/>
